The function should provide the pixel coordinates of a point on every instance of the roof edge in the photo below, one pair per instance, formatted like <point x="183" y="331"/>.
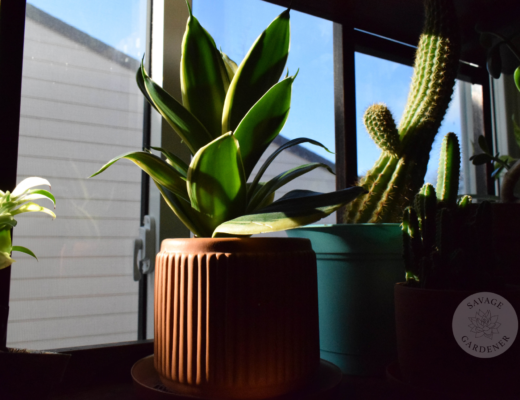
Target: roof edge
<point x="80" y="37"/>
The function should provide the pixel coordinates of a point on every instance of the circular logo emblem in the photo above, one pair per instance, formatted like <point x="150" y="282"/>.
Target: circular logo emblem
<point x="485" y="325"/>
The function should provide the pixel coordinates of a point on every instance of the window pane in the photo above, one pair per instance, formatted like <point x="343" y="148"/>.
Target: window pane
<point x="235" y="25"/>
<point x="382" y="81"/>
<point x="80" y="108"/>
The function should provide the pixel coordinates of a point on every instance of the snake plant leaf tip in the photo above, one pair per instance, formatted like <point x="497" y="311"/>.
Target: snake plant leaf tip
<point x="228" y="117"/>
<point x="18" y="202"/>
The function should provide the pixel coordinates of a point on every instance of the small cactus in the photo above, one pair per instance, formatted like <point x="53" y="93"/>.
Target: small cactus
<point x="399" y="172"/>
<point x="444" y="246"/>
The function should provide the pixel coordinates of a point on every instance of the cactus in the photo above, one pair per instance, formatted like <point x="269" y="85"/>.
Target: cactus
<point x="399" y="172"/>
<point x="444" y="246"/>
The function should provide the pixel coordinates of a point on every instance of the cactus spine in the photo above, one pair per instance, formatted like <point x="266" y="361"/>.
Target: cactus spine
<point x="399" y="172"/>
<point x="444" y="246"/>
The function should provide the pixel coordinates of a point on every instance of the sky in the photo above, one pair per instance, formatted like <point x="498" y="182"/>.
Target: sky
<point x="235" y="24"/>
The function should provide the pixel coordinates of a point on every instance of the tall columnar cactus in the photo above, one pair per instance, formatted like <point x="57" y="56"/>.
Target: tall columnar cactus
<point x="445" y="247"/>
<point x="399" y="172"/>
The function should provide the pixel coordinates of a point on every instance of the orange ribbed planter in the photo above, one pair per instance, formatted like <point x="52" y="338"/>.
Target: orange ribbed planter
<point x="236" y="318"/>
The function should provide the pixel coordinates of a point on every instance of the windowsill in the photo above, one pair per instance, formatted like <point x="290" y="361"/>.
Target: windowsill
<point x="103" y="372"/>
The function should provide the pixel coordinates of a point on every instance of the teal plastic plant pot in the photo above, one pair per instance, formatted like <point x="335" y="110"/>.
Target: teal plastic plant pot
<point x="358" y="266"/>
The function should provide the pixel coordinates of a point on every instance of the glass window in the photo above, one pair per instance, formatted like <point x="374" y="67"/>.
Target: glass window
<point x="80" y="108"/>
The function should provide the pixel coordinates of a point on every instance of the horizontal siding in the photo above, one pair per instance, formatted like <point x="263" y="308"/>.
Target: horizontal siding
<point x="73" y="328"/>
<point x="48" y="246"/>
<point x="60" y="166"/>
<point x="53" y="128"/>
<point x="81" y="307"/>
<point x="79" y="110"/>
<point x="91" y="115"/>
<point x="72" y="287"/>
<point x="85" y="340"/>
<point x="54" y="72"/>
<point x="83" y="95"/>
<point x="56" y="266"/>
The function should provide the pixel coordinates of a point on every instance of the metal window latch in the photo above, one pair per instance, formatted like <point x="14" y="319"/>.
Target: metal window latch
<point x="144" y="249"/>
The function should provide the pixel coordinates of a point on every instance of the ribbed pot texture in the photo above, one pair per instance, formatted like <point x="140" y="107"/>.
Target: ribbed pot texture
<point x="236" y="318"/>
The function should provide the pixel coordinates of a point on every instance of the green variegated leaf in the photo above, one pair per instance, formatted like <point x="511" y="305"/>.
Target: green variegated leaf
<point x="275" y="153"/>
<point x="5" y="241"/>
<point x="160" y="171"/>
<point x="25" y="250"/>
<point x="35" y="194"/>
<point x="263" y="123"/>
<point x="199" y="224"/>
<point x="297" y="208"/>
<point x="174" y="161"/>
<point x="267" y="201"/>
<point x="204" y="79"/>
<point x="216" y="180"/>
<point x="261" y="68"/>
<point x="32" y="207"/>
<point x="142" y="87"/>
<point x="280" y="180"/>
<point x="231" y="66"/>
<point x="28" y="183"/>
<point x="516" y="128"/>
<point x="187" y="126"/>
<point x="7" y="222"/>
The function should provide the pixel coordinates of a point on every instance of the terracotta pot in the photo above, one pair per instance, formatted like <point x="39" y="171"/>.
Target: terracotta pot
<point x="429" y="355"/>
<point x="236" y="318"/>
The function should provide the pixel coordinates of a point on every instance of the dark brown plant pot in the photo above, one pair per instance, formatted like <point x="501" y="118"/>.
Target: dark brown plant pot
<point x="429" y="355"/>
<point x="506" y="238"/>
<point x="236" y="318"/>
<point x="30" y="374"/>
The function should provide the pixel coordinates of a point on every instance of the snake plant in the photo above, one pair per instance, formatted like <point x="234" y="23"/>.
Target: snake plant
<point x="399" y="172"/>
<point x="15" y="203"/>
<point x="228" y="117"/>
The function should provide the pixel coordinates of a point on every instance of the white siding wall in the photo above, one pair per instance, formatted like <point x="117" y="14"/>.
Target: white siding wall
<point x="79" y="110"/>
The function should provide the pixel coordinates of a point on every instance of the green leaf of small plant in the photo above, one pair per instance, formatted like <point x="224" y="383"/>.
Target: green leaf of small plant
<point x="174" y="161"/>
<point x="187" y="126"/>
<point x="263" y="123"/>
<point x="279" y="181"/>
<point x="24" y="250"/>
<point x="160" y="171"/>
<point x="275" y="153"/>
<point x="480" y="159"/>
<point x="216" y="180"/>
<point x="516" y="130"/>
<point x="297" y="208"/>
<point x="261" y="68"/>
<point x="483" y="145"/>
<point x="204" y="78"/>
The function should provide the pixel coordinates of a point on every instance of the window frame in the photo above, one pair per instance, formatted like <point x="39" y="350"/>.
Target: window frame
<point x="347" y="40"/>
